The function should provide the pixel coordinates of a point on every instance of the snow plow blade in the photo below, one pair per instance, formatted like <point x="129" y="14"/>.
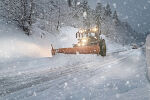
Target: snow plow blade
<point x="78" y="50"/>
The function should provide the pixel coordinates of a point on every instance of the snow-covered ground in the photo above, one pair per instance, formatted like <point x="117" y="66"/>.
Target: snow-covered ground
<point x="37" y="76"/>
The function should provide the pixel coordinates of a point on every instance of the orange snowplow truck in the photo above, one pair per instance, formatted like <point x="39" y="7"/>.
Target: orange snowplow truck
<point x="89" y="42"/>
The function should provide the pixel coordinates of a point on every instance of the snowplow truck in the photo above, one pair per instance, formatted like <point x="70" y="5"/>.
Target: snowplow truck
<point x="89" y="42"/>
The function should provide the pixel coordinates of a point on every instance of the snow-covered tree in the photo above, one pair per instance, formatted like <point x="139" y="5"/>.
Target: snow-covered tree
<point x="99" y="15"/>
<point x="52" y="14"/>
<point x="82" y="14"/>
<point x="108" y="11"/>
<point x="20" y="11"/>
<point x="86" y="13"/>
<point x="99" y="8"/>
<point x="115" y="17"/>
<point x="69" y="3"/>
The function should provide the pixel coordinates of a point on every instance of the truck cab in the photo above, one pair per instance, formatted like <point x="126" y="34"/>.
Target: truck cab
<point x="87" y="37"/>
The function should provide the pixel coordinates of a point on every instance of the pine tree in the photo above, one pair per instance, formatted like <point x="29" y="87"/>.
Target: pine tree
<point x="98" y="15"/>
<point x="98" y="8"/>
<point x="20" y="11"/>
<point x="115" y="17"/>
<point x="108" y="11"/>
<point x="86" y="14"/>
<point x="69" y="3"/>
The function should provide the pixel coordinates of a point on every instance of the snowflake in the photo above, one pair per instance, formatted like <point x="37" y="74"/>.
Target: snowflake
<point x="114" y="5"/>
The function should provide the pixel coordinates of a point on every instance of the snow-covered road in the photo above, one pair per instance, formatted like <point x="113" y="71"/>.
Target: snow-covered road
<point x="27" y="72"/>
<point x="77" y="77"/>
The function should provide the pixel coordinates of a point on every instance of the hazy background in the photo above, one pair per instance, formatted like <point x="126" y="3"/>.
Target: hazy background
<point x="136" y="12"/>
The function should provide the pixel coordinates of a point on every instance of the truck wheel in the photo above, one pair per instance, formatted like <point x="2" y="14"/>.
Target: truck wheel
<point x="102" y="48"/>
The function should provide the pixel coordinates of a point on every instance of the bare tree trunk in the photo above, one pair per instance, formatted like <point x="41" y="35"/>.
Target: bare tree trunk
<point x="27" y="18"/>
<point x="31" y="11"/>
<point x="58" y="23"/>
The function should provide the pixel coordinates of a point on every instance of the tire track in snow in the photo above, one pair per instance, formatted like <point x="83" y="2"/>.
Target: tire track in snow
<point x="86" y="79"/>
<point x="55" y="74"/>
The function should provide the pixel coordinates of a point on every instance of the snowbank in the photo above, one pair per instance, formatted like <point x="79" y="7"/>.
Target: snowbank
<point x="148" y="54"/>
<point x="15" y="44"/>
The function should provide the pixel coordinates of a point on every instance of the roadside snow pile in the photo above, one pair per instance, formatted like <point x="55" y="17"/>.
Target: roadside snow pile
<point x="15" y="44"/>
<point x="148" y="54"/>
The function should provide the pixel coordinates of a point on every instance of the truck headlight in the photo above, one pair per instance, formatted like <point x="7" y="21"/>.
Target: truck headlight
<point x="83" y="44"/>
<point x="81" y="31"/>
<point x="79" y="44"/>
<point x="84" y="40"/>
<point x="95" y="29"/>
